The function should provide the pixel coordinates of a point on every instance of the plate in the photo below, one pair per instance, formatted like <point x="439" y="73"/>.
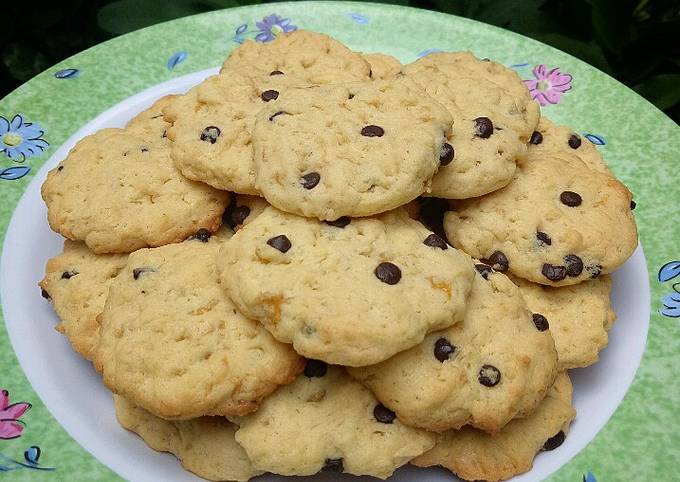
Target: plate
<point x="71" y="428"/>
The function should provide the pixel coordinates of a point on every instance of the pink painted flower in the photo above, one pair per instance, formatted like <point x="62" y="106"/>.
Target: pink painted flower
<point x="549" y="85"/>
<point x="10" y="425"/>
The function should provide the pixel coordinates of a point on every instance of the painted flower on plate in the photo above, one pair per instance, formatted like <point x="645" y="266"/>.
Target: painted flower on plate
<point x="10" y="425"/>
<point x="548" y="85"/>
<point x="272" y="25"/>
<point x="20" y="139"/>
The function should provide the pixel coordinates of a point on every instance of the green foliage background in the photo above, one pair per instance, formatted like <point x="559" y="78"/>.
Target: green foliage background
<point x="635" y="41"/>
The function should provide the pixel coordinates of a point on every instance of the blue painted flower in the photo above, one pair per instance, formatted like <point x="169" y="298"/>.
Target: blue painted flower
<point x="589" y="477"/>
<point x="19" y="139"/>
<point x="358" y="18"/>
<point x="671" y="302"/>
<point x="272" y="25"/>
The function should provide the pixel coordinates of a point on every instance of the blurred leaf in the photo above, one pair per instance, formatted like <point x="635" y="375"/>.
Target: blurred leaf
<point x="517" y="15"/>
<point x="23" y="61"/>
<point x="611" y="21"/>
<point x="588" y="52"/>
<point x="662" y="90"/>
<point x="124" y="16"/>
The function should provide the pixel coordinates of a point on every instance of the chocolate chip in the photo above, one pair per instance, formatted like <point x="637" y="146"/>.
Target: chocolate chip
<point x="435" y="241"/>
<point x="554" y="273"/>
<point x="574" y="141"/>
<point x="388" y="273"/>
<point x="315" y="368"/>
<point x="210" y="134"/>
<point x="276" y="114"/>
<point x="341" y="222"/>
<point x="633" y="205"/>
<point x="499" y="261"/>
<point x="203" y="235"/>
<point x="372" y="131"/>
<point x="45" y="294"/>
<point x="164" y="134"/>
<point x="571" y="199"/>
<point x="594" y="270"/>
<point x="333" y="465"/>
<point x="540" y="321"/>
<point x="536" y="138"/>
<point x="68" y="274"/>
<point x="483" y="127"/>
<point x="484" y="269"/>
<point x="555" y="441"/>
<point x="239" y="215"/>
<point x="486" y="59"/>
<point x="276" y="72"/>
<point x="268" y="95"/>
<point x="443" y="349"/>
<point x="61" y="168"/>
<point x="446" y="154"/>
<point x="350" y="97"/>
<point x="383" y="414"/>
<point x="543" y="238"/>
<point x="280" y="242"/>
<point x="489" y="376"/>
<point x="310" y="180"/>
<point x="370" y="73"/>
<point x="137" y="272"/>
<point x="573" y="264"/>
<point x="145" y="149"/>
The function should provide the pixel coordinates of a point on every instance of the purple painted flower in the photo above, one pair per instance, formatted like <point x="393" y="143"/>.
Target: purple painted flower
<point x="10" y="425"/>
<point x="549" y="85"/>
<point x="272" y="25"/>
<point x="19" y="139"/>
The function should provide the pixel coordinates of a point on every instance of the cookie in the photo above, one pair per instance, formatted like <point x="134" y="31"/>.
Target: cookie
<point x="383" y="66"/>
<point x="493" y="118"/>
<point x="557" y="223"/>
<point x="119" y="192"/>
<point x="171" y="341"/>
<point x="204" y="445"/>
<point x="351" y="292"/>
<point x="312" y="57"/>
<point x="150" y="124"/>
<point x="579" y="317"/>
<point x="475" y="455"/>
<point x="348" y="150"/>
<point x="549" y="137"/>
<point x="325" y="421"/>
<point x="243" y="209"/>
<point x="212" y="124"/>
<point x="493" y="366"/>
<point x="77" y="282"/>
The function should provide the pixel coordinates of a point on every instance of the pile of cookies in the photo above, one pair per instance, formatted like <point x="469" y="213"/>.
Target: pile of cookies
<point x="321" y="260"/>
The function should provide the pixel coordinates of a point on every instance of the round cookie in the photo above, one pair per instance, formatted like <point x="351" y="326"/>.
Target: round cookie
<point x="204" y="445"/>
<point x="243" y="209"/>
<point x="549" y="137"/>
<point x="77" y="283"/>
<point x="557" y="223"/>
<point x="150" y="124"/>
<point x="171" y="341"/>
<point x="383" y="66"/>
<point x="493" y="366"/>
<point x="313" y="57"/>
<point x="119" y="192"/>
<point x="579" y="317"/>
<point x="351" y="293"/>
<point x="325" y="421"/>
<point x="212" y="127"/>
<point x="348" y="150"/>
<point x="475" y="455"/>
<point x="493" y="117"/>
